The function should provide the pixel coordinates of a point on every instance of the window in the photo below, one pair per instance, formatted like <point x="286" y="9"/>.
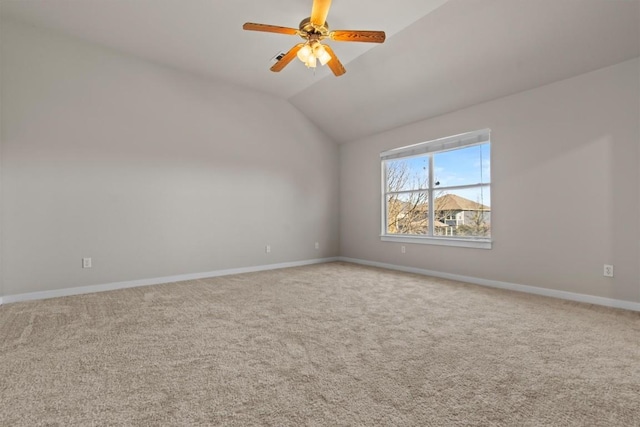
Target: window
<point x="439" y="192"/>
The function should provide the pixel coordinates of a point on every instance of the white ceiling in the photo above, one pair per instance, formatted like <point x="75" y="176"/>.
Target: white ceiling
<point x="206" y="36"/>
<point x="468" y="52"/>
<point x="440" y="55"/>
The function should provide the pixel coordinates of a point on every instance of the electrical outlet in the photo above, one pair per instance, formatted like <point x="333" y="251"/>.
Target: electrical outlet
<point x="267" y="249"/>
<point x="608" y="270"/>
<point x="86" y="262"/>
<point x="403" y="249"/>
<point x="317" y="245"/>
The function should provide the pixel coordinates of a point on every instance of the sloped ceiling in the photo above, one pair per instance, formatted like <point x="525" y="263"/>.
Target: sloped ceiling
<point x="206" y="36"/>
<point x="468" y="52"/>
<point x="440" y="55"/>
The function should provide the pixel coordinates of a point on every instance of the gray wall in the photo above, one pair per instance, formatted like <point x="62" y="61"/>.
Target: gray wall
<point x="154" y="172"/>
<point x="149" y="171"/>
<point x="1" y="133"/>
<point x="565" y="188"/>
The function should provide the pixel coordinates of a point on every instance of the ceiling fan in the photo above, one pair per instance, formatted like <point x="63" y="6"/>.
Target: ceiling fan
<point x="313" y="30"/>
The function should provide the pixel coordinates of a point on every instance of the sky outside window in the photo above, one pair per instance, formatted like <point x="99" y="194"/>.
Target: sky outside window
<point x="465" y="166"/>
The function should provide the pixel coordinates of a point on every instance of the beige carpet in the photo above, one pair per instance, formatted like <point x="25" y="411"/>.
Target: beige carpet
<point x="325" y="345"/>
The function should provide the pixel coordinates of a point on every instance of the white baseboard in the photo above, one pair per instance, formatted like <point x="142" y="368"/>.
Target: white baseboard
<point x="6" y="299"/>
<point x="590" y="299"/>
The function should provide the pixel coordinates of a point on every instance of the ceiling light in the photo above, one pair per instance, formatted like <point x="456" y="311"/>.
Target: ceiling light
<point x="304" y="53"/>
<point x="321" y="53"/>
<point x="311" y="61"/>
<point x="311" y="52"/>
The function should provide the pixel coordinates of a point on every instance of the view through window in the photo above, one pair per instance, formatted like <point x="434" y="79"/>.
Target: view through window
<point x="440" y="188"/>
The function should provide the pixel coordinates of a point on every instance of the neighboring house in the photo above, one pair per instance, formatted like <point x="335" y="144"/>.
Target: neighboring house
<point x="462" y="216"/>
<point x="454" y="216"/>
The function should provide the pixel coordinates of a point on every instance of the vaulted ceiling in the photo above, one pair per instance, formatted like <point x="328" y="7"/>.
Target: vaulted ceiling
<point x="440" y="55"/>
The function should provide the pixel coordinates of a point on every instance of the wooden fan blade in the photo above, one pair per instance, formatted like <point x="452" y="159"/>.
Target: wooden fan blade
<point x="250" y="26"/>
<point x="319" y="12"/>
<point x="334" y="63"/>
<point x="284" y="61"/>
<point x="358" y="36"/>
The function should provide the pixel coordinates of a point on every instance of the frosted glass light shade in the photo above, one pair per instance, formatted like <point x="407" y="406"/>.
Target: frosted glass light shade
<point x="304" y="53"/>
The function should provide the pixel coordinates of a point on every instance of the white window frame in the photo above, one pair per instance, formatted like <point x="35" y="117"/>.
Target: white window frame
<point x="449" y="143"/>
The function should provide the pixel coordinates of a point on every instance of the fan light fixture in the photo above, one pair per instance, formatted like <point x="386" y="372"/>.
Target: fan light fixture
<point x="312" y="52"/>
<point x="313" y="30"/>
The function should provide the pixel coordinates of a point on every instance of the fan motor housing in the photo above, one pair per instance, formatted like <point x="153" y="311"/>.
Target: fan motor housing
<point x="310" y="29"/>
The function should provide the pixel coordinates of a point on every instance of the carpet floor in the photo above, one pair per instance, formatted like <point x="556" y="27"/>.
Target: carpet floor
<point x="326" y="345"/>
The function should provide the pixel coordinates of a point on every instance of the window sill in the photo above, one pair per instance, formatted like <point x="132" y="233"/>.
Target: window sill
<point x="441" y="241"/>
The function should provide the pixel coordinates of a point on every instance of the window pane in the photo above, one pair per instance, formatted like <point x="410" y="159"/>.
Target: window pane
<point x="407" y="174"/>
<point x="408" y="213"/>
<point x="464" y="166"/>
<point x="463" y="213"/>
